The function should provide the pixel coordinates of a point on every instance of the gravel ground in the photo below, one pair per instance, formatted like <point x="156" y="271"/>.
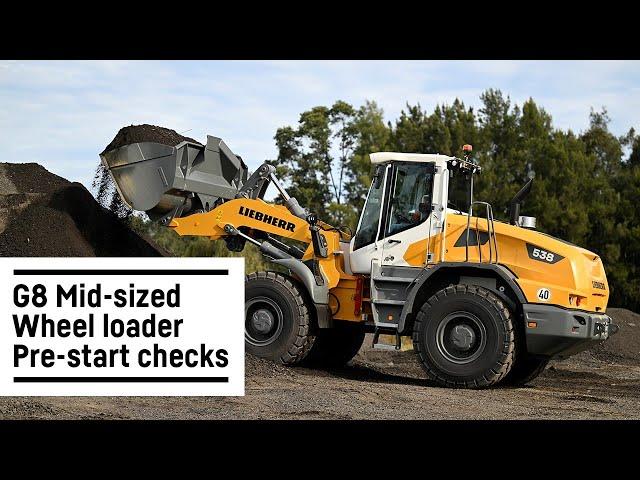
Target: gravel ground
<point x="377" y="385"/>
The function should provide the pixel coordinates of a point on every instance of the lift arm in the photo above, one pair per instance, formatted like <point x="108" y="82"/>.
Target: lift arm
<point x="249" y="218"/>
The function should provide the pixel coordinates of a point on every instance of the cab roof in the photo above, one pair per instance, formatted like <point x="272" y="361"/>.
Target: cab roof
<point x="383" y="157"/>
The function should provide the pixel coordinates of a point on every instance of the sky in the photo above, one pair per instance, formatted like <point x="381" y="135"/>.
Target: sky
<point x="61" y="114"/>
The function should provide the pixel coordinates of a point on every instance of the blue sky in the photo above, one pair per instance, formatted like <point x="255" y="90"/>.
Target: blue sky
<point x="62" y="113"/>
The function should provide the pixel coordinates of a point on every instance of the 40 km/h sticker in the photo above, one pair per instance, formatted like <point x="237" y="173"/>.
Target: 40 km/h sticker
<point x="544" y="294"/>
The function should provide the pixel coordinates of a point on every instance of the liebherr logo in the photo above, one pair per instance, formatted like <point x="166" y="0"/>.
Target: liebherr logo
<point x="263" y="217"/>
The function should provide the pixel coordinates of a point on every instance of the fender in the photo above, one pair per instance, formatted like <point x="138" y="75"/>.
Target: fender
<point x="501" y="271"/>
<point x="319" y="293"/>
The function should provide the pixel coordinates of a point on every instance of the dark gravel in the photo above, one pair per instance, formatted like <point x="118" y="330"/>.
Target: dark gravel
<point x="377" y="385"/>
<point x="33" y="178"/>
<point x="623" y="347"/>
<point x="255" y="367"/>
<point x="64" y="220"/>
<point x="146" y="133"/>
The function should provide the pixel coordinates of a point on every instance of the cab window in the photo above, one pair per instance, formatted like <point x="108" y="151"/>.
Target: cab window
<point x="458" y="191"/>
<point x="410" y="196"/>
<point x="368" y="228"/>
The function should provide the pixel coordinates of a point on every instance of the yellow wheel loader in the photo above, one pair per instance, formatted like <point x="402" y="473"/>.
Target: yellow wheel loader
<point x="484" y="301"/>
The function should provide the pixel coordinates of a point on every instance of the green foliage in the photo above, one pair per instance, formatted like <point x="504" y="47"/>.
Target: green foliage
<point x="315" y="158"/>
<point x="370" y="135"/>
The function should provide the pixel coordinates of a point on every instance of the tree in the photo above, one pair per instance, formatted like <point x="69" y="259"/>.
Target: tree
<point x="371" y="135"/>
<point x="308" y="162"/>
<point x="341" y="115"/>
<point x="623" y="272"/>
<point x="601" y="201"/>
<point x="303" y="171"/>
<point x="497" y="152"/>
<point x="586" y="187"/>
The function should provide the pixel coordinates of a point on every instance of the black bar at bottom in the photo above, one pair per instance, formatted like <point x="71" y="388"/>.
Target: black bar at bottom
<point x="121" y="379"/>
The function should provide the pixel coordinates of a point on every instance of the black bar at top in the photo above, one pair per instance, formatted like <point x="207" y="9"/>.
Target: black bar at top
<point x="121" y="379"/>
<point x="119" y="272"/>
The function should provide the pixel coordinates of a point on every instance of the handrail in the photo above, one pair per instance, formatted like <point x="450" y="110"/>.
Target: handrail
<point x="491" y="231"/>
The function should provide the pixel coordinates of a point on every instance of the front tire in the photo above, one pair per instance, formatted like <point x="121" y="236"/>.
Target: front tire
<point x="463" y="336"/>
<point x="277" y="321"/>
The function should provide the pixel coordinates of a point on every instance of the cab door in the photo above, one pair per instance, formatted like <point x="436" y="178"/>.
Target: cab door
<point x="366" y="244"/>
<point x="408" y="216"/>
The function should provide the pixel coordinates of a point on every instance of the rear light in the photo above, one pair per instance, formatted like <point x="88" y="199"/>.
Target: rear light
<point x="576" y="300"/>
<point x="357" y="297"/>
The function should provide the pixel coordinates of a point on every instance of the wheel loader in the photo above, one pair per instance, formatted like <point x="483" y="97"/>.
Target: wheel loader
<point x="486" y="302"/>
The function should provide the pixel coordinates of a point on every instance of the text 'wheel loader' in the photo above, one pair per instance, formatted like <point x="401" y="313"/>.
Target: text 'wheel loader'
<point x="485" y="301"/>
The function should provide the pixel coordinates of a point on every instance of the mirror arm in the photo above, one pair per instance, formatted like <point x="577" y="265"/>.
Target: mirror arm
<point x="514" y="207"/>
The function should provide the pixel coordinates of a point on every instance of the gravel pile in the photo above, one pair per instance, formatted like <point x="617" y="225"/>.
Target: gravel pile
<point x="624" y="346"/>
<point x="146" y="133"/>
<point x="61" y="219"/>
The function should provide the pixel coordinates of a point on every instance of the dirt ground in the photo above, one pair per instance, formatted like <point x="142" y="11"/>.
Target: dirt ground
<point x="595" y="384"/>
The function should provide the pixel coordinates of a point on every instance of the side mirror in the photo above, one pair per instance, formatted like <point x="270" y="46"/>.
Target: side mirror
<point x="377" y="179"/>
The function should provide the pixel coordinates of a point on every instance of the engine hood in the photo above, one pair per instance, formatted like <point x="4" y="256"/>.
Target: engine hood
<point x="549" y="270"/>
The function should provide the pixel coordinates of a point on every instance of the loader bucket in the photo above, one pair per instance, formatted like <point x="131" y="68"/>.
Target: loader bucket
<point x="155" y="178"/>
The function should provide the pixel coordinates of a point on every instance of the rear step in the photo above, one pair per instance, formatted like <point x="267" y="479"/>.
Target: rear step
<point x="378" y="345"/>
<point x="388" y="302"/>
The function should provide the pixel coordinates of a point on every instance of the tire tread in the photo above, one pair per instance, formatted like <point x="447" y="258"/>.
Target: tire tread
<point x="501" y="368"/>
<point x="301" y="345"/>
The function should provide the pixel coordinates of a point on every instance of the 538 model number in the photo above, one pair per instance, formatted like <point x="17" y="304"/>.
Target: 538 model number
<point x="543" y="255"/>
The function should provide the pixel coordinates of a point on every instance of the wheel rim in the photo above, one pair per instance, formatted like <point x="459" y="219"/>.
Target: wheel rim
<point x="263" y="321"/>
<point x="461" y="337"/>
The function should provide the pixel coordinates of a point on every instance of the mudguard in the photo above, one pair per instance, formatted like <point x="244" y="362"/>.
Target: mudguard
<point x="502" y="272"/>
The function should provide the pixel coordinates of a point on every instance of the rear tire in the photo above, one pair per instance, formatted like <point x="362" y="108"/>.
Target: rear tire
<point x="524" y="370"/>
<point x="335" y="347"/>
<point x="277" y="321"/>
<point x="463" y="336"/>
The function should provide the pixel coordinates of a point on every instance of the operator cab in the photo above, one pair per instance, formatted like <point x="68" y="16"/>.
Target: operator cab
<point x="406" y="203"/>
